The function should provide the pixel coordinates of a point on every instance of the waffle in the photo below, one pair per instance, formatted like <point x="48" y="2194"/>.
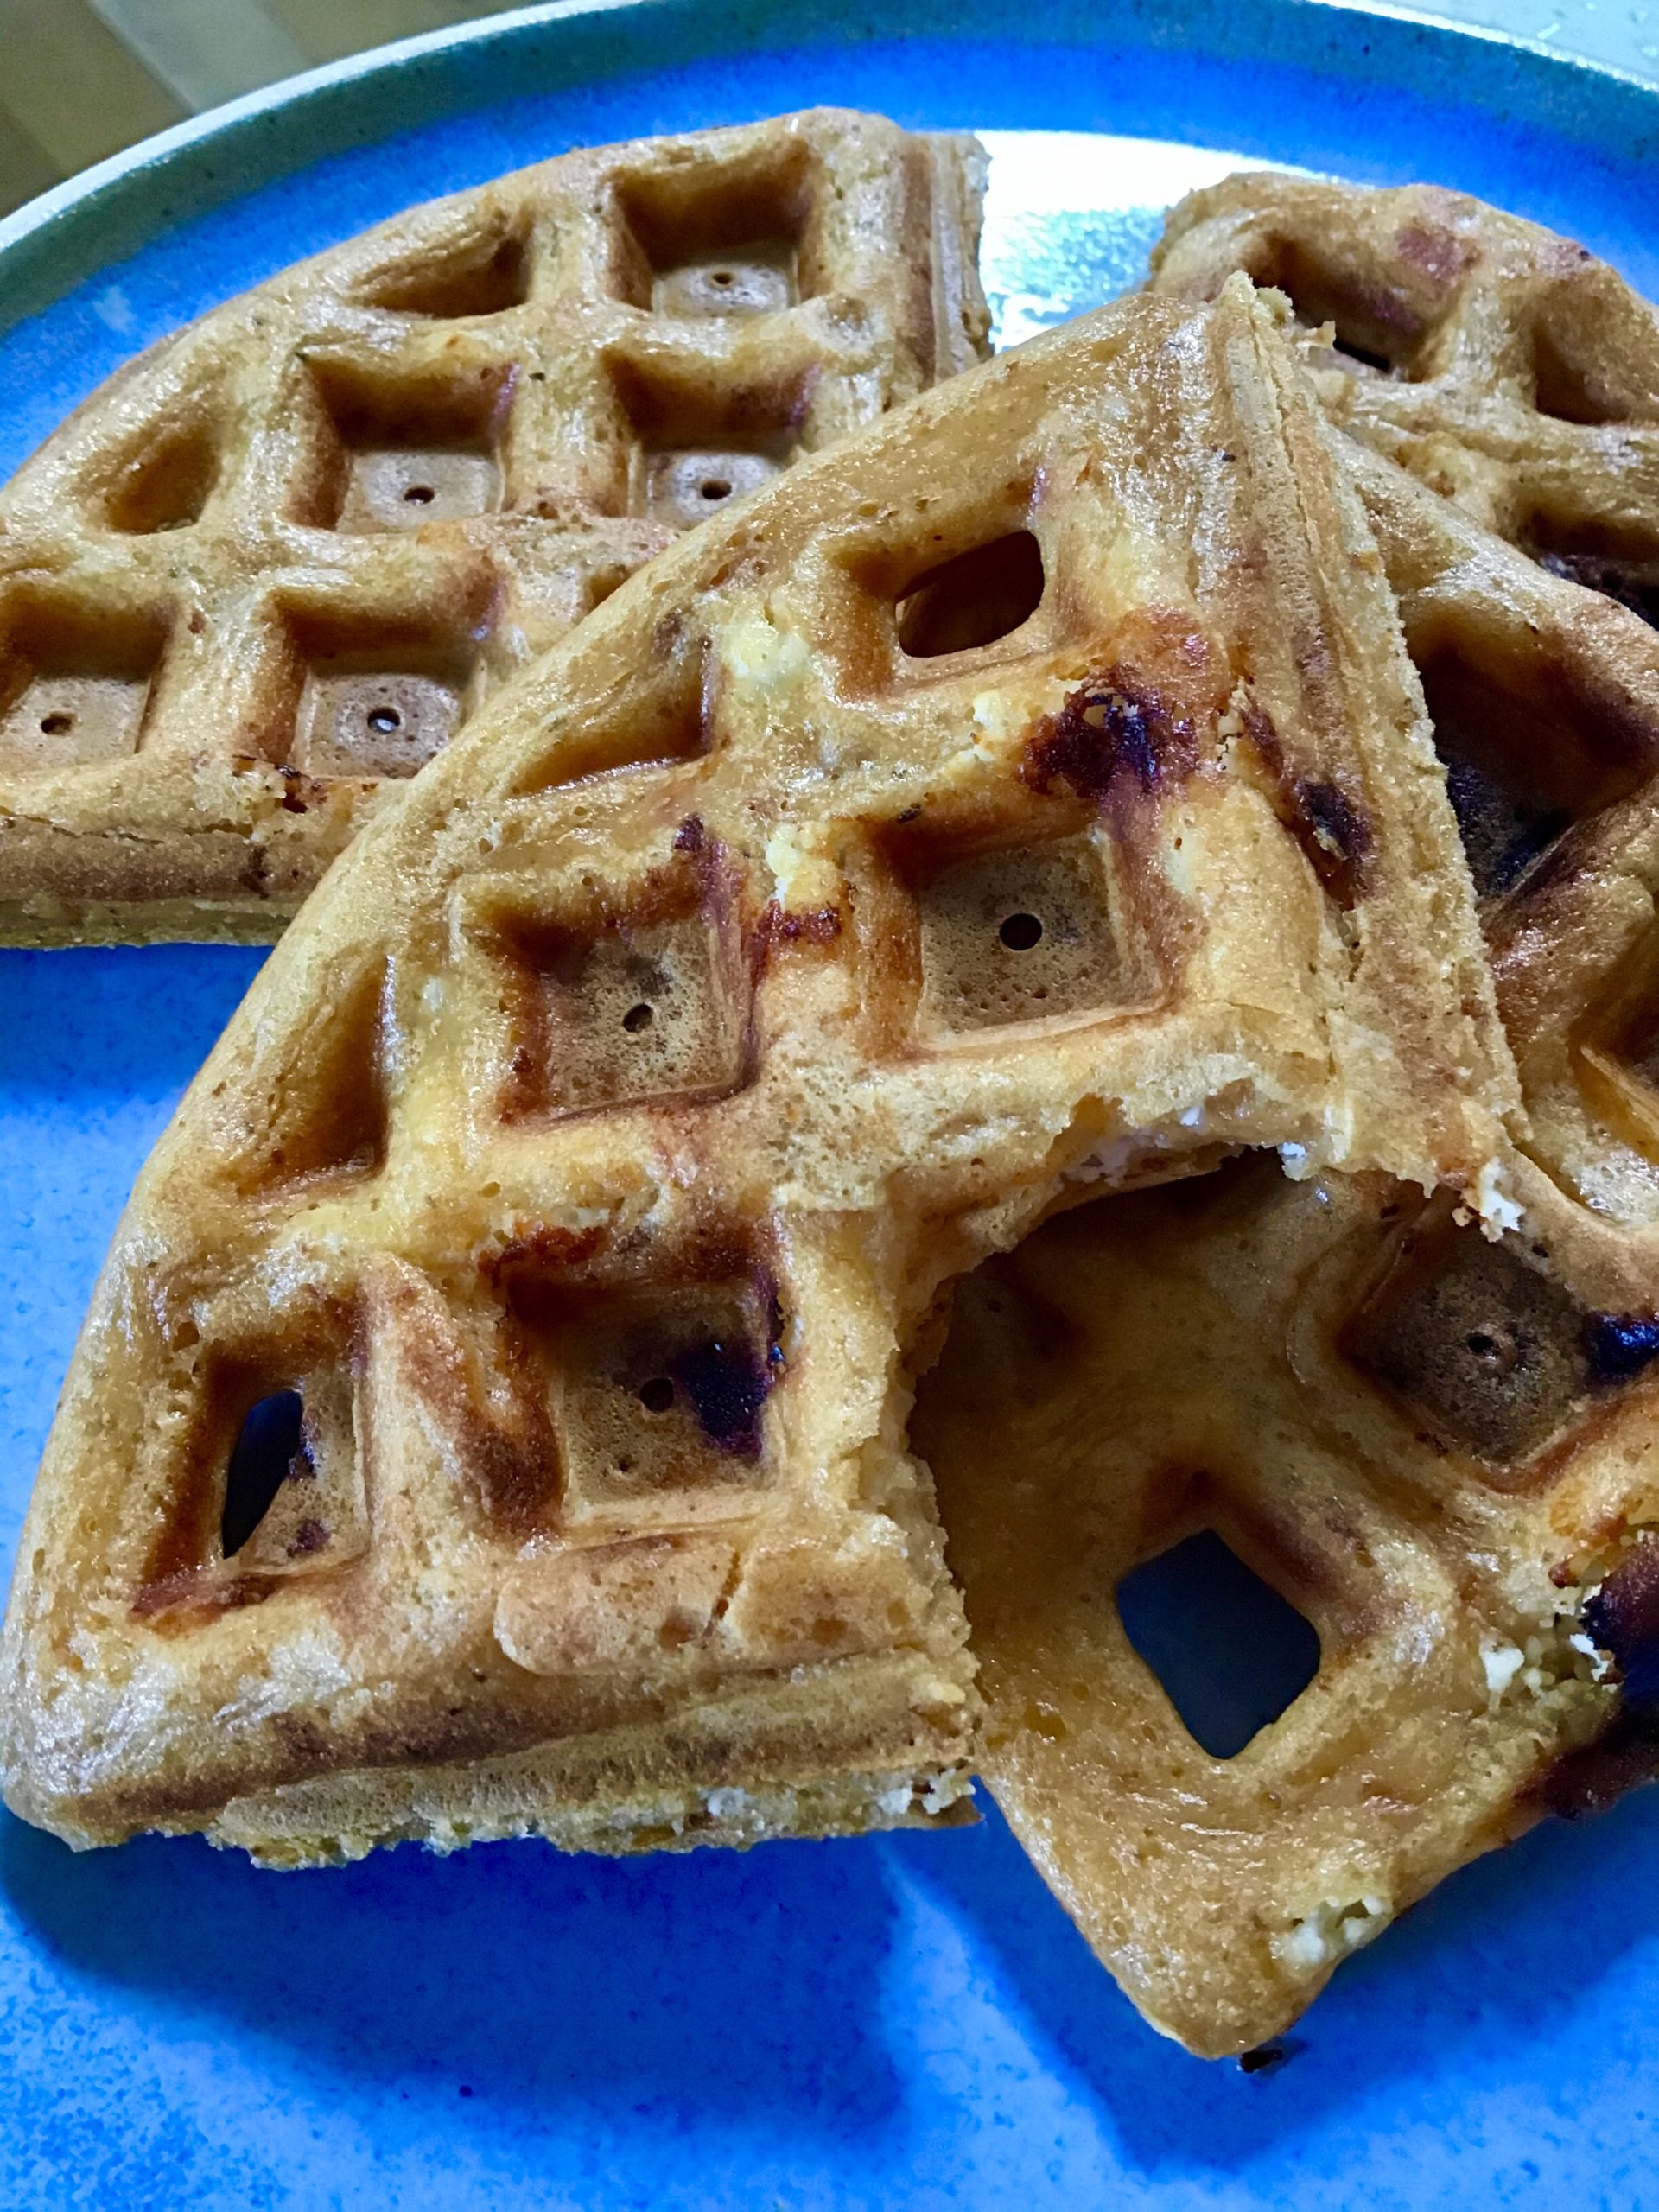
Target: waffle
<point x="1502" y="365"/>
<point x="1438" y="1447"/>
<point x="267" y="570"/>
<point x="491" y="1416"/>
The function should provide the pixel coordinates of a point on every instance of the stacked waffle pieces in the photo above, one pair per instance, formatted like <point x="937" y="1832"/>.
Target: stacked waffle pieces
<point x="1503" y="365"/>
<point x="265" y="573"/>
<point x="493" y="1414"/>
<point x="1437" y="1445"/>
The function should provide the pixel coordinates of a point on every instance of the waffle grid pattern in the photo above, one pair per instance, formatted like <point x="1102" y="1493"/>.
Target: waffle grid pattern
<point x="278" y="562"/>
<point x="825" y="909"/>
<point x="1503" y="366"/>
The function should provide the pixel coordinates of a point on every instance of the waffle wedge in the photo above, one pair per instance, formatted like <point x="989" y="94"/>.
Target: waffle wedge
<point x="493" y="1413"/>
<point x="1442" y="1449"/>
<point x="1501" y="364"/>
<point x="267" y="570"/>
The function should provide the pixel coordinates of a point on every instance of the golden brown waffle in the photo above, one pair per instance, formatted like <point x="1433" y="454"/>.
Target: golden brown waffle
<point x="1439" y="1448"/>
<point x="1019" y="797"/>
<point x="1501" y="364"/>
<point x="272" y="566"/>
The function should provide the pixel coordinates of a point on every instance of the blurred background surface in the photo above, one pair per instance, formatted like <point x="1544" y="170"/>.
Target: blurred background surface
<point x="81" y="79"/>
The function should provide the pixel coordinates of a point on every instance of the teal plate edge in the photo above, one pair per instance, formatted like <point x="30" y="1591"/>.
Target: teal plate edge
<point x="67" y="234"/>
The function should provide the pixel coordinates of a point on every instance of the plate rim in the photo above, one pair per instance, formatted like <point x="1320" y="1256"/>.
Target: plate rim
<point x="59" y="241"/>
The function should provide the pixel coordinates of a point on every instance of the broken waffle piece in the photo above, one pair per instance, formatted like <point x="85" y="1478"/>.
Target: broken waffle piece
<point x="265" y="573"/>
<point x="1503" y="366"/>
<point x="1544" y="698"/>
<point x="1437" y="1446"/>
<point x="491" y="1416"/>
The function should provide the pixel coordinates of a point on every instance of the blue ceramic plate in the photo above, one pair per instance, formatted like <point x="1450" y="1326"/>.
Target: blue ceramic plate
<point x="908" y="2021"/>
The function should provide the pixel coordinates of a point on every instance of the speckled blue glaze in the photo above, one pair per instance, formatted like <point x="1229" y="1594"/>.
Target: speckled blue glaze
<point x="909" y="2022"/>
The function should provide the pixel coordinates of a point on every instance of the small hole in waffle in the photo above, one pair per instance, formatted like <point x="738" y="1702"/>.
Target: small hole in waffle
<point x="973" y="599"/>
<point x="722" y="240"/>
<point x="449" y="488"/>
<point x="656" y="1397"/>
<point x="269" y="1450"/>
<point x="1230" y="1652"/>
<point x="756" y="279"/>
<point x="374" y="724"/>
<point x="372" y="696"/>
<point x="681" y="487"/>
<point x="75" y="687"/>
<point x="1493" y="1357"/>
<point x="698" y="444"/>
<point x="409" y="449"/>
<point x="1021" y="935"/>
<point x="652" y="1008"/>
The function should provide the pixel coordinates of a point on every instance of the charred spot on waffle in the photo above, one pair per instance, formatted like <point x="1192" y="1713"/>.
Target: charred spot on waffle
<point x="1494" y="1358"/>
<point x="1334" y="835"/>
<point x="1621" y="1345"/>
<point x="817" y="925"/>
<point x="1534" y="740"/>
<point x="726" y="1382"/>
<point x="1502" y="832"/>
<point x="1109" y="728"/>
<point x="539" y="1245"/>
<point x="661" y="1395"/>
<point x="1593" y="1778"/>
<point x="1331" y="829"/>
<point x="1633" y="583"/>
<point x="1265" y="2058"/>
<point x="1438" y="252"/>
<point x="1340" y="827"/>
<point x="1621" y="1617"/>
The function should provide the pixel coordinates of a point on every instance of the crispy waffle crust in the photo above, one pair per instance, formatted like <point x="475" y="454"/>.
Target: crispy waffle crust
<point x="267" y="570"/>
<point x="1438" y="1447"/>
<point x="1503" y="366"/>
<point x="491" y="1416"/>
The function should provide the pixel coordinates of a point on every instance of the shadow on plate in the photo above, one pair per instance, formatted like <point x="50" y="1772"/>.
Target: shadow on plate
<point x="668" y="1986"/>
<point x="1494" y="1975"/>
